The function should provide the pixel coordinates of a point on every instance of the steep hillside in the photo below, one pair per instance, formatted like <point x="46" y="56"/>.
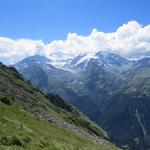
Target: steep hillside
<point x="31" y="120"/>
<point x="128" y="109"/>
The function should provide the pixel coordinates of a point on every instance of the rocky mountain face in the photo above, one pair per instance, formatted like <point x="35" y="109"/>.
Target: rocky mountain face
<point x="129" y="108"/>
<point x="113" y="91"/>
<point x="32" y="120"/>
<point x="43" y="74"/>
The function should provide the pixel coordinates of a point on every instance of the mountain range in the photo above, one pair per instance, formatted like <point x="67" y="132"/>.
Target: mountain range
<point x="111" y="90"/>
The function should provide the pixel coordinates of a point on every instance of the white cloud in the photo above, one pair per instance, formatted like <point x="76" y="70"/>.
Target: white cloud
<point x="129" y="40"/>
<point x="12" y="51"/>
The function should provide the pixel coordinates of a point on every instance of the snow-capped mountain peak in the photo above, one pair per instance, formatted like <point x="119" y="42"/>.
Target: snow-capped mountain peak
<point x="101" y="58"/>
<point x="35" y="59"/>
<point x="86" y="58"/>
<point x="59" y="60"/>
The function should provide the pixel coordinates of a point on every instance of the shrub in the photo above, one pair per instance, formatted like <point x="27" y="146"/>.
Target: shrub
<point x="14" y="140"/>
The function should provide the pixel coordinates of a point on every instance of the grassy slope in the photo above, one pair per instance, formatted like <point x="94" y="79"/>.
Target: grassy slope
<point x="9" y="79"/>
<point x="20" y="129"/>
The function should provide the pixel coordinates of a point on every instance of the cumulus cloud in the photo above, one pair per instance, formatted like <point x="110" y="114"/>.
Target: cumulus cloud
<point x="129" y="40"/>
<point x="12" y="51"/>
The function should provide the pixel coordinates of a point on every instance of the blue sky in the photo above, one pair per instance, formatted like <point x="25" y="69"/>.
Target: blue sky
<point x="54" y="19"/>
<point x="68" y="28"/>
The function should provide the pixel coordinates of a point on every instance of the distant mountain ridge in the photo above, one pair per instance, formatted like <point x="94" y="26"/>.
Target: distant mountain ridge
<point x="102" y="58"/>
